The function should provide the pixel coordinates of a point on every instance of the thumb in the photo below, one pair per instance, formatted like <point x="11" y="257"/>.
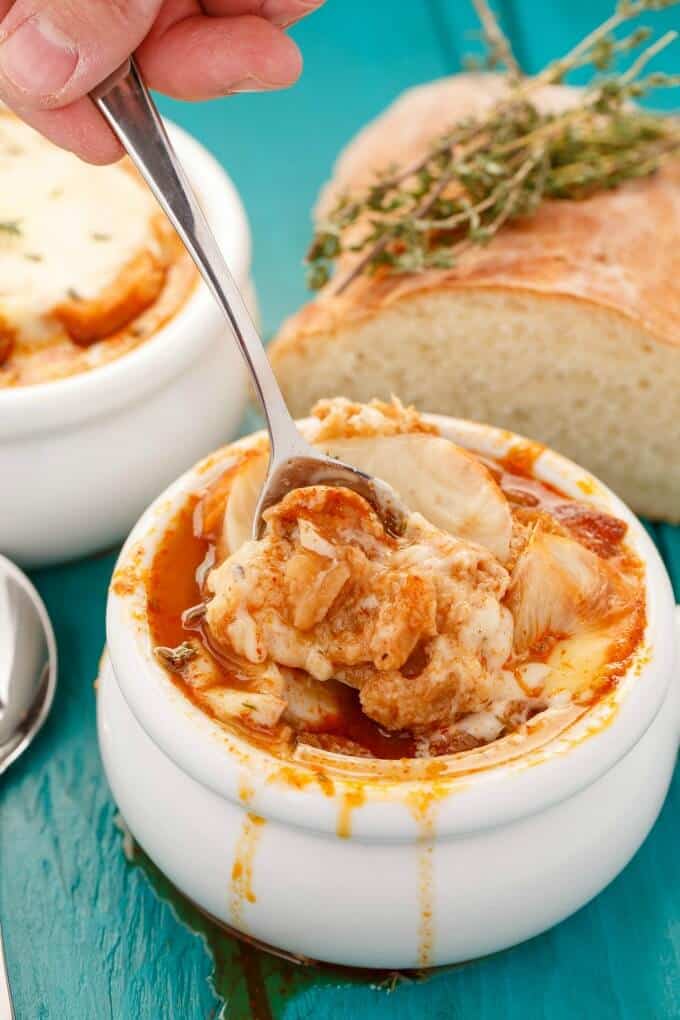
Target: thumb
<point x="53" y="52"/>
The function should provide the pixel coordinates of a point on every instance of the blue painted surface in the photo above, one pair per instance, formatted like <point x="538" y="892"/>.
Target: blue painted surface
<point x="87" y="937"/>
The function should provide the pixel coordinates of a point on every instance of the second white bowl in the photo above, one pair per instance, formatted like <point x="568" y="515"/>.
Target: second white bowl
<point x="81" y="457"/>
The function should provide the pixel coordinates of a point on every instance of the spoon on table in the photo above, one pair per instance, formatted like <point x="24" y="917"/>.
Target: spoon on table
<point x="294" y="463"/>
<point x="28" y="678"/>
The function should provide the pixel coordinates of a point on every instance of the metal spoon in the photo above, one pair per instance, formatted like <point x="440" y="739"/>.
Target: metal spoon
<point x="28" y="678"/>
<point x="130" y="110"/>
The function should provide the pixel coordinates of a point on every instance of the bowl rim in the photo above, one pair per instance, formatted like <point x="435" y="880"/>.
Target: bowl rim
<point x="61" y="403"/>
<point x="295" y="793"/>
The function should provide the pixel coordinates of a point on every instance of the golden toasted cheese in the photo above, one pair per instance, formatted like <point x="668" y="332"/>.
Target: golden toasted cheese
<point x="84" y="251"/>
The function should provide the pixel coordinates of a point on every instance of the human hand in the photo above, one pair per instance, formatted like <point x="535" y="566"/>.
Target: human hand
<point x="53" y="52"/>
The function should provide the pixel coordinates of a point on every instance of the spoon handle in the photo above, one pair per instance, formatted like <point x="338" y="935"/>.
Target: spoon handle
<point x="129" y="109"/>
<point x="6" y="1007"/>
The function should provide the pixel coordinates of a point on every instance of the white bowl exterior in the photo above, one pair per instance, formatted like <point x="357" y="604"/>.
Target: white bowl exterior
<point x="511" y="850"/>
<point x="82" y="457"/>
<point x="362" y="903"/>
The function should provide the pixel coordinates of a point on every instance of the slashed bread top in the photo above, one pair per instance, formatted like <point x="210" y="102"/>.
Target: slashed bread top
<point x="616" y="250"/>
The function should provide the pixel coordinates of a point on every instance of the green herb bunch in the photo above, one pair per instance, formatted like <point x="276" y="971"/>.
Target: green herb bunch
<point x="490" y="170"/>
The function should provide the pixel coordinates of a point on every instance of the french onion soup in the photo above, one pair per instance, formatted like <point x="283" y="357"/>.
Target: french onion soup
<point x="89" y="266"/>
<point x="501" y="599"/>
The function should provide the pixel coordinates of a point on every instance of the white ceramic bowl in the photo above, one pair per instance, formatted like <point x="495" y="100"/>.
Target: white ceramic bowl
<point x="81" y="457"/>
<point x="424" y="863"/>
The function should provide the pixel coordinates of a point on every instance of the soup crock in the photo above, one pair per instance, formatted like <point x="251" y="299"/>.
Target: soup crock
<point x="81" y="457"/>
<point x="406" y="864"/>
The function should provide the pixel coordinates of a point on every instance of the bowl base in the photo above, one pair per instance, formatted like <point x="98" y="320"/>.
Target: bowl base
<point x="255" y="956"/>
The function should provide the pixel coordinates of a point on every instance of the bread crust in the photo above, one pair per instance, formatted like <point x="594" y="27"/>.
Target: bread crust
<point x="616" y="250"/>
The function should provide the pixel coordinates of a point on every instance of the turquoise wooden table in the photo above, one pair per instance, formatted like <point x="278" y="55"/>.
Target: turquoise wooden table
<point x="90" y="936"/>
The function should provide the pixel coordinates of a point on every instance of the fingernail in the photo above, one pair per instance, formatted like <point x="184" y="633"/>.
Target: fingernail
<point x="250" y="84"/>
<point x="37" y="58"/>
<point x="282" y="13"/>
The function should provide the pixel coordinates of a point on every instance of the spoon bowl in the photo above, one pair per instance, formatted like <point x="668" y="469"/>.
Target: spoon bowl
<point x="309" y="468"/>
<point x="28" y="680"/>
<point x="28" y="663"/>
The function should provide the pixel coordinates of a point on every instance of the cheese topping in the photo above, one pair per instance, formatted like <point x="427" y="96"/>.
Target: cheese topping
<point x="67" y="229"/>
<point x="415" y="624"/>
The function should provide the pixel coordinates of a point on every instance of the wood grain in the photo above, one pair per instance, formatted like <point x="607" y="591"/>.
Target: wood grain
<point x="90" y="937"/>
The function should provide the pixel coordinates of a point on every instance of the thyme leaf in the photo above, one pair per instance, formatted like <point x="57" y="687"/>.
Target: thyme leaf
<point x="177" y="657"/>
<point x="10" y="227"/>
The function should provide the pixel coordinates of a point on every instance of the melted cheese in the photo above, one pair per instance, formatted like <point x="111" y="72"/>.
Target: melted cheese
<point x="576" y="663"/>
<point x="65" y="226"/>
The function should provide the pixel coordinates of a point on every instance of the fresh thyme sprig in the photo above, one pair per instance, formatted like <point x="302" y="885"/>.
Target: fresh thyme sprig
<point x="490" y="170"/>
<point x="499" y="50"/>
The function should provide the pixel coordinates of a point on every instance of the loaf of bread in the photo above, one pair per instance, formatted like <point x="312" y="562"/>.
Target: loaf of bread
<point x="566" y="327"/>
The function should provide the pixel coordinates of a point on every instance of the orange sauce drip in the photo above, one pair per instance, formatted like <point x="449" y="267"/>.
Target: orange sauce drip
<point x="521" y="457"/>
<point x="422" y="805"/>
<point x="242" y="868"/>
<point x="350" y="800"/>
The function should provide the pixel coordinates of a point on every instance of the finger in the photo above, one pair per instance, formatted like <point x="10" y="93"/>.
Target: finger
<point x="203" y="57"/>
<point x="78" y="127"/>
<point x="52" y="54"/>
